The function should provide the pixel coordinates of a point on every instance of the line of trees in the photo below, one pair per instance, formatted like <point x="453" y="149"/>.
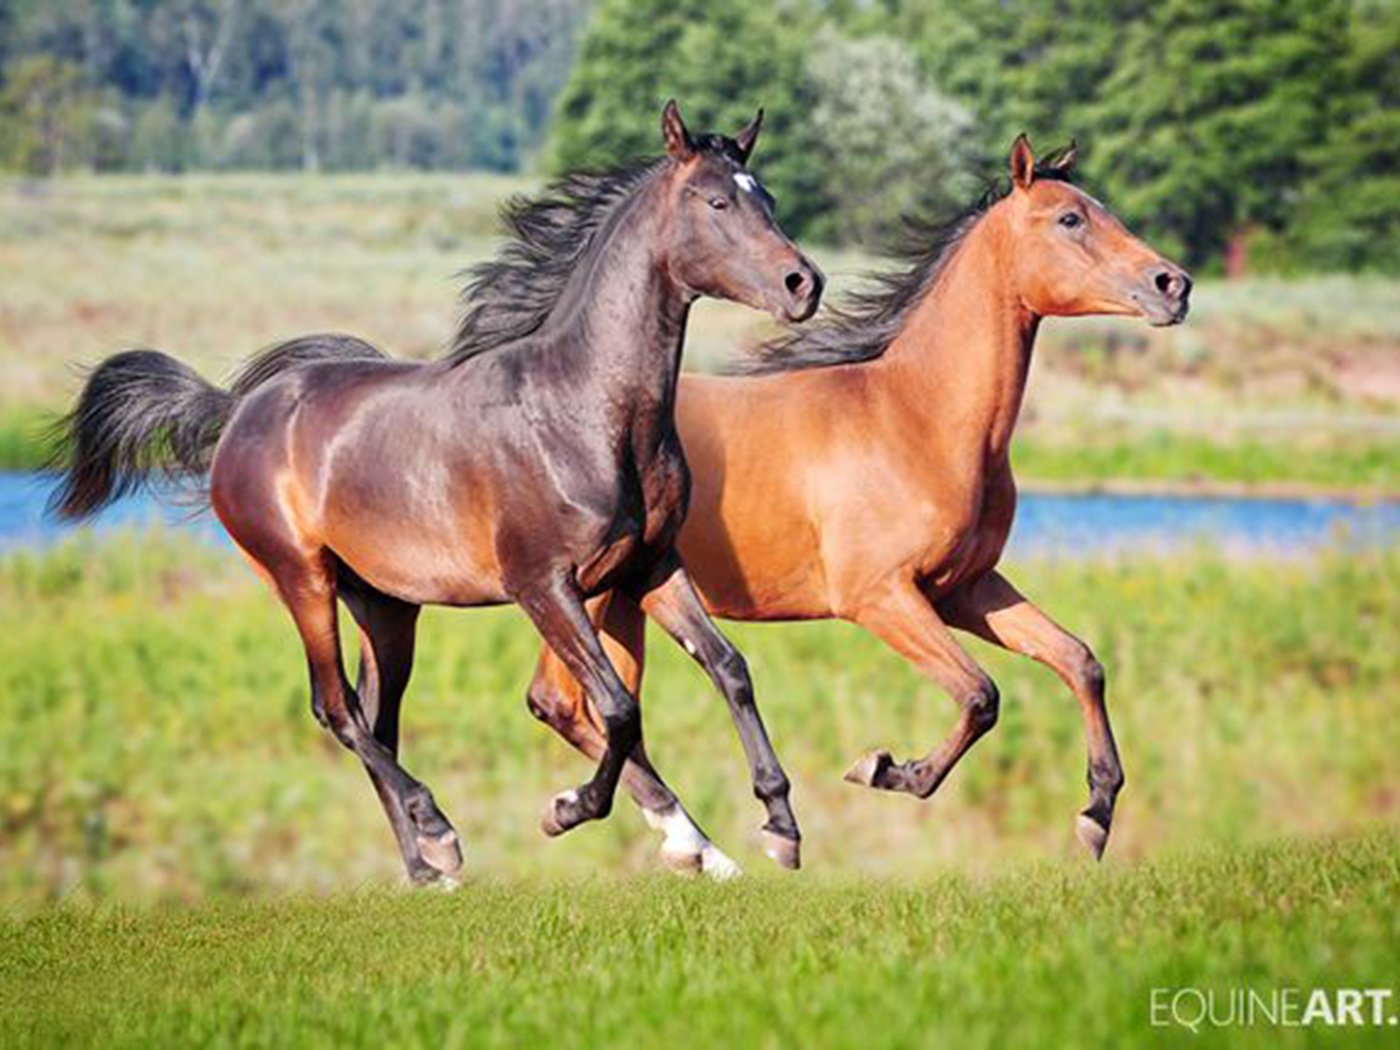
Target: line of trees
<point x="175" y="85"/>
<point x="1235" y="133"/>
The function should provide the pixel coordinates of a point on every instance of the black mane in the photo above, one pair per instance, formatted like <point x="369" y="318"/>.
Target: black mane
<point x="863" y="327"/>
<point x="510" y="296"/>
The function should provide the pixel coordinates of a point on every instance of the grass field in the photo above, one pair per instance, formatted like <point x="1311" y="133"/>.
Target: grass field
<point x="213" y="267"/>
<point x="1053" y="955"/>
<point x="157" y="742"/>
<point x="186" y="858"/>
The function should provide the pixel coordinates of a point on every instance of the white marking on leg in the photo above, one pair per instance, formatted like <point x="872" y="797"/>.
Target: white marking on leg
<point x="684" y="839"/>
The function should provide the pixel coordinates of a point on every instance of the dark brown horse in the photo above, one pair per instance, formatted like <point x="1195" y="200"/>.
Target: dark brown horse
<point x="538" y="463"/>
<point x="866" y="473"/>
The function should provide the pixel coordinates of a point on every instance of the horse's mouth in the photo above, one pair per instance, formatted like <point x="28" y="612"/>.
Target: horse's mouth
<point x="1160" y="312"/>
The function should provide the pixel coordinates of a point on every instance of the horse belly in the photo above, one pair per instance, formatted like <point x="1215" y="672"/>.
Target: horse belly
<point x="427" y="555"/>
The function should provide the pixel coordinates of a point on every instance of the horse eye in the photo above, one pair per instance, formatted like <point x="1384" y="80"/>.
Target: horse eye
<point x="718" y="203"/>
<point x="1070" y="219"/>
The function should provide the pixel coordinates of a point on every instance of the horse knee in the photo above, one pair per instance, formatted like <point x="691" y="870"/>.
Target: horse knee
<point x="624" y="725"/>
<point x="982" y="705"/>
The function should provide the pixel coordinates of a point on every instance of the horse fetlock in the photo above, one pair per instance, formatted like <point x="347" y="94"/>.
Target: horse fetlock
<point x="1106" y="780"/>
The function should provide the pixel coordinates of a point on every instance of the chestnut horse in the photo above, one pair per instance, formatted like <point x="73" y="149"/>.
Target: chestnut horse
<point x="864" y="474"/>
<point x="538" y="463"/>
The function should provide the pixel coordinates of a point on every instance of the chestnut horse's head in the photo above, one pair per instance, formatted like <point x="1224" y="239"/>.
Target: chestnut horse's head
<point x="1073" y="257"/>
<point x="723" y="240"/>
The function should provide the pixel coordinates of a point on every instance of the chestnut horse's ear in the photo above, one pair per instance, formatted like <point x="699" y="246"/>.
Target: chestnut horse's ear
<point x="746" y="138"/>
<point x="1022" y="163"/>
<point x="679" y="144"/>
<point x="1064" y="160"/>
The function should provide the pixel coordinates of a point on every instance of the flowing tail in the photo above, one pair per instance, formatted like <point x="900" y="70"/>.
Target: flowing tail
<point x="143" y="416"/>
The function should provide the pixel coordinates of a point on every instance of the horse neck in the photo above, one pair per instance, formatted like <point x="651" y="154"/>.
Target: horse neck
<point x="624" y="314"/>
<point x="960" y="363"/>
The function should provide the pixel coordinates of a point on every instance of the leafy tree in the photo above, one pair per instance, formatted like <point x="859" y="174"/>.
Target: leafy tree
<point x="892" y="146"/>
<point x="721" y="59"/>
<point x="46" y="111"/>
<point x="1201" y="129"/>
<point x="1349" y="214"/>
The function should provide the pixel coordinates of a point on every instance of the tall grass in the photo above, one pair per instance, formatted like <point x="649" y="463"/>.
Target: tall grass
<point x="157" y="741"/>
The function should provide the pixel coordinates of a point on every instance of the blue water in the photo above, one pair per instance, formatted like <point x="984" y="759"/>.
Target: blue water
<point x="1061" y="525"/>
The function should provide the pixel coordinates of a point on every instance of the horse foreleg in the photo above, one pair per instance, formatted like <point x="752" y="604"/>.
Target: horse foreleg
<point x="556" y="698"/>
<point x="669" y="598"/>
<point x="994" y="610"/>
<point x="903" y="619"/>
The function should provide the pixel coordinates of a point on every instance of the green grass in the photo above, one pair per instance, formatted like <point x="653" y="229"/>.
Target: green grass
<point x="157" y="742"/>
<point x="1345" y="462"/>
<point x="213" y="267"/>
<point x="1049" y="955"/>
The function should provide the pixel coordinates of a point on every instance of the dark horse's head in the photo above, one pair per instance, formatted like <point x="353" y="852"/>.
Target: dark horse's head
<point x="723" y="241"/>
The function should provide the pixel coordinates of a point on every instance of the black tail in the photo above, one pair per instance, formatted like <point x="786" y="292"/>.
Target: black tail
<point x="143" y="415"/>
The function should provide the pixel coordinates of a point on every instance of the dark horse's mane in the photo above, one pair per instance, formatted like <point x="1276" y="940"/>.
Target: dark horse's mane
<point x="863" y="327"/>
<point x="511" y="296"/>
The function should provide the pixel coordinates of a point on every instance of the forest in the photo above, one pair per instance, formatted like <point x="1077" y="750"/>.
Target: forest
<point x="1240" y="135"/>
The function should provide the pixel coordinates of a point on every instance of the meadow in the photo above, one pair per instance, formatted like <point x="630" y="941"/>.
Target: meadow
<point x="186" y="857"/>
<point x="158" y="745"/>
<point x="1272" y="380"/>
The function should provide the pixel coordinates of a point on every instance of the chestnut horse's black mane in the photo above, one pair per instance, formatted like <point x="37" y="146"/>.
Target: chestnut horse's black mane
<point x="510" y="296"/>
<point x="862" y="328"/>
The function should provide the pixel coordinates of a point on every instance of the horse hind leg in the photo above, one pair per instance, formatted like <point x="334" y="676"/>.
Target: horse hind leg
<point x="388" y="629"/>
<point x="307" y="586"/>
<point x="993" y="609"/>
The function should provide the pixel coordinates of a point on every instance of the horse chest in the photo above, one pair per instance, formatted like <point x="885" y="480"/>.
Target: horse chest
<point x="970" y="535"/>
<point x="648" y="513"/>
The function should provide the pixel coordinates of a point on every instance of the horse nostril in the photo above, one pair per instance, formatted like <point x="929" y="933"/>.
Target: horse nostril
<point x="1172" y="283"/>
<point x="795" y="282"/>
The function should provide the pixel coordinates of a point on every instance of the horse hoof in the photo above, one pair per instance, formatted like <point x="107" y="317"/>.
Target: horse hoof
<point x="560" y="814"/>
<point x="1092" y="834"/>
<point x="680" y="862"/>
<point x="786" y="852"/>
<point x="869" y="770"/>
<point x="717" y="865"/>
<point x="442" y="852"/>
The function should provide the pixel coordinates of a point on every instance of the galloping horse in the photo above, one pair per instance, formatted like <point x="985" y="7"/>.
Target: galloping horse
<point x="863" y="472"/>
<point x="537" y="463"/>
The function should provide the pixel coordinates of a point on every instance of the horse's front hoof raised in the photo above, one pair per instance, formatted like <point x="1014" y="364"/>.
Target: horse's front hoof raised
<point x="561" y="813"/>
<point x="871" y="770"/>
<point x="786" y="852"/>
<point x="1092" y="834"/>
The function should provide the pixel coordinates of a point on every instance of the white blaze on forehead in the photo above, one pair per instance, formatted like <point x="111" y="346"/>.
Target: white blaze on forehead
<point x="746" y="182"/>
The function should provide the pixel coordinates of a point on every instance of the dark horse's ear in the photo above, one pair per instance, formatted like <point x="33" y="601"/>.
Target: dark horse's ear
<point x="1022" y="163"/>
<point x="746" y="138"/>
<point x="679" y="144"/>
